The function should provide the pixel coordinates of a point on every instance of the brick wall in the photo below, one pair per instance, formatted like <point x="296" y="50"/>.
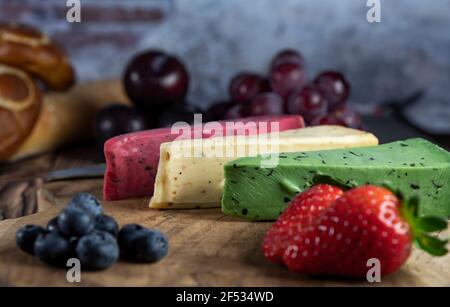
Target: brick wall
<point x="109" y="32"/>
<point x="409" y="50"/>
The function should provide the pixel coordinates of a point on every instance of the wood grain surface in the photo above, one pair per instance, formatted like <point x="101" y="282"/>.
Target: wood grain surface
<point x="206" y="249"/>
<point x="19" y="181"/>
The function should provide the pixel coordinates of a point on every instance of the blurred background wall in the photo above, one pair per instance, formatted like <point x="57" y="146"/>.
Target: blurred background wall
<point x="409" y="50"/>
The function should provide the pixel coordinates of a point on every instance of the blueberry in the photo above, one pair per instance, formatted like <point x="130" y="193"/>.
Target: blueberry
<point x="26" y="236"/>
<point x="53" y="248"/>
<point x="74" y="222"/>
<point x="97" y="250"/>
<point x="138" y="243"/>
<point x="126" y="238"/>
<point x="52" y="225"/>
<point x="108" y="224"/>
<point x="151" y="246"/>
<point x="86" y="202"/>
<point x="73" y="241"/>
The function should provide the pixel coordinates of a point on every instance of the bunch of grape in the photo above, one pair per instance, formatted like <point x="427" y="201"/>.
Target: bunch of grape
<point x="286" y="90"/>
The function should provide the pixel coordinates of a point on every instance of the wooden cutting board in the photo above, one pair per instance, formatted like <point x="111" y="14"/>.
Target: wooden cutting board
<point x="206" y="249"/>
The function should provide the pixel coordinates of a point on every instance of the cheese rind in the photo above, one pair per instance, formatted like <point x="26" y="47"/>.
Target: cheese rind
<point x="188" y="177"/>
<point x="414" y="167"/>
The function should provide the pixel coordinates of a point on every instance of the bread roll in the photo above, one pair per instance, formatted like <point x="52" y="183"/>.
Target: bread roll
<point x="68" y="117"/>
<point x="20" y="104"/>
<point x="27" y="48"/>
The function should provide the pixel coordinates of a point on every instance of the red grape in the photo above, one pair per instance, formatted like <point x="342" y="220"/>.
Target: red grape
<point x="327" y="119"/>
<point x="265" y="86"/>
<point x="334" y="86"/>
<point x="308" y="102"/>
<point x="176" y="113"/>
<point x="155" y="80"/>
<point x="218" y="110"/>
<point x="237" y="111"/>
<point x="245" y="86"/>
<point x="286" y="77"/>
<point x="349" y="116"/>
<point x="287" y="56"/>
<point x="266" y="104"/>
<point x="117" y="119"/>
<point x="343" y="116"/>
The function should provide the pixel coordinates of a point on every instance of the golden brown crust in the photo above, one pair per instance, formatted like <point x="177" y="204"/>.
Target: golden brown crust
<point x="20" y="104"/>
<point x="68" y="117"/>
<point x="27" y="48"/>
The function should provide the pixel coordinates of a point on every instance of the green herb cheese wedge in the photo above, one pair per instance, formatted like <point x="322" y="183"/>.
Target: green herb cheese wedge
<point x="414" y="167"/>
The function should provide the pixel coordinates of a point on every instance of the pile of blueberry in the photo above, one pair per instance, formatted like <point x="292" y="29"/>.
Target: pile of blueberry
<point x="82" y="231"/>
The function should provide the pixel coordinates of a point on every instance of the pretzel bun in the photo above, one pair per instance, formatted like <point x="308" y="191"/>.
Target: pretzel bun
<point x="27" y="48"/>
<point x="20" y="104"/>
<point x="67" y="117"/>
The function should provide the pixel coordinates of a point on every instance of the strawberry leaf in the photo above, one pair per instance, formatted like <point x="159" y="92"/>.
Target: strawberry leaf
<point x="413" y="206"/>
<point x="431" y="223"/>
<point x="432" y="245"/>
<point x="422" y="226"/>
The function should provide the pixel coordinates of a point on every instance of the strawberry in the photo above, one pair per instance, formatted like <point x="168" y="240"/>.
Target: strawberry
<point x="365" y="222"/>
<point x="302" y="211"/>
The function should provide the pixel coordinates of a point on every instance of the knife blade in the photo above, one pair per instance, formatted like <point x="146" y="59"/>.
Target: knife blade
<point x="90" y="171"/>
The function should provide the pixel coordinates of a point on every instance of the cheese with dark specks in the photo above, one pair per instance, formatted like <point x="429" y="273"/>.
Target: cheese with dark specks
<point x="415" y="167"/>
<point x="190" y="177"/>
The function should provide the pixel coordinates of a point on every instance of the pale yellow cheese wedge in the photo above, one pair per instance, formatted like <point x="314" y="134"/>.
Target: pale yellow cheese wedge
<point x="190" y="172"/>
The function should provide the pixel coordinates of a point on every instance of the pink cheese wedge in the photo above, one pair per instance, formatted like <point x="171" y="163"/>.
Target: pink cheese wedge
<point x="132" y="159"/>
